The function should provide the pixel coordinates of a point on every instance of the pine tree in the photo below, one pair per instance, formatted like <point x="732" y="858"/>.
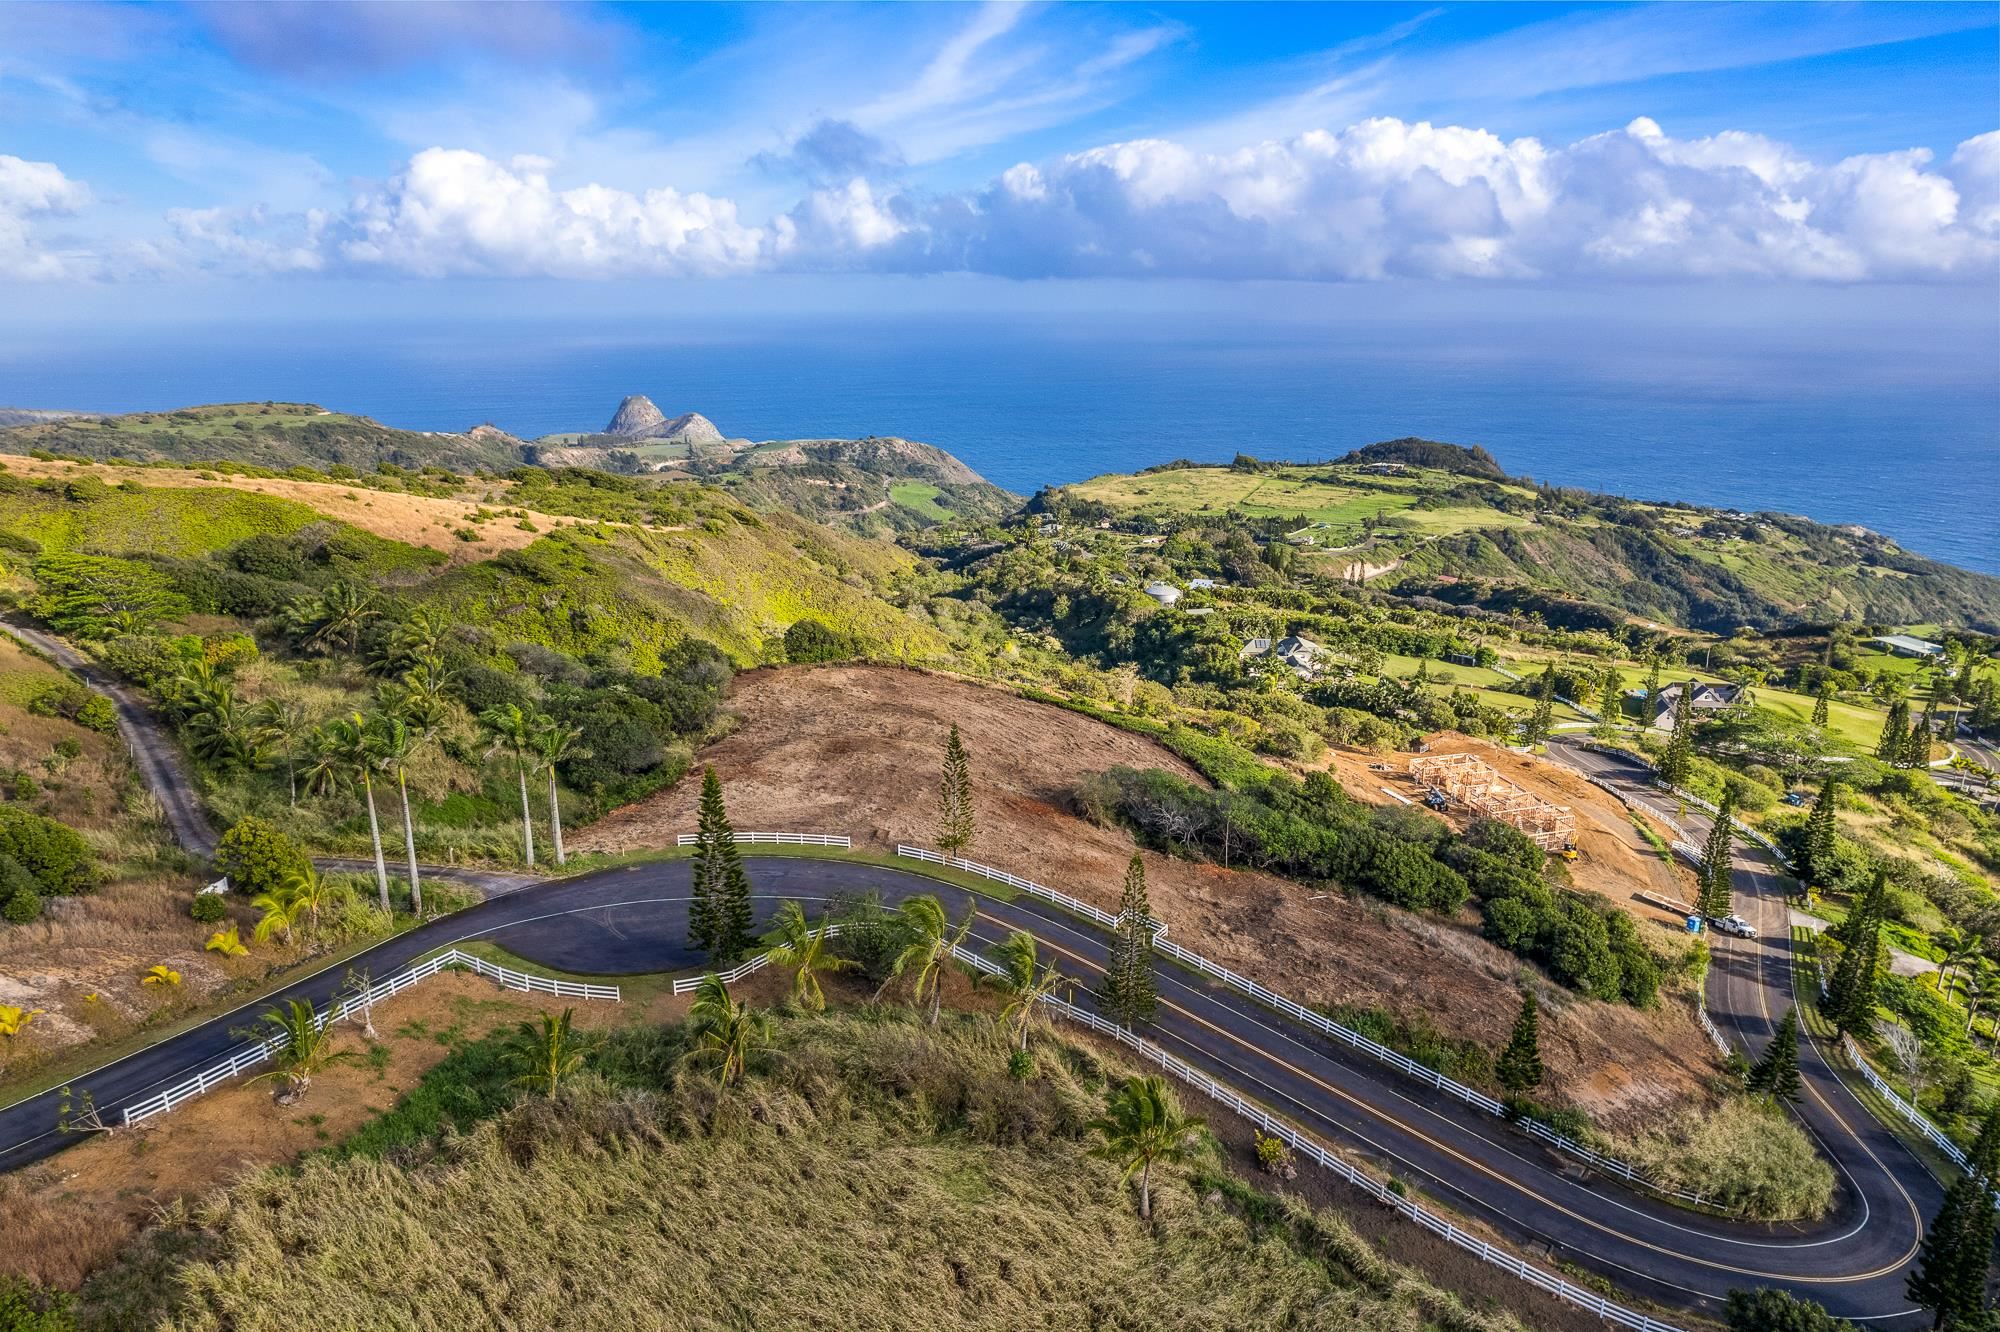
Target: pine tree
<point x="1519" y="1067"/>
<point x="1678" y="759"/>
<point x="1653" y="684"/>
<point x="1127" y="995"/>
<point x="1851" y="993"/>
<point x="1542" y="720"/>
<point x="1822" y="705"/>
<point x="1821" y="835"/>
<point x="719" y="914"/>
<point x="1717" y="878"/>
<point x="1917" y="745"/>
<point x="955" y="797"/>
<point x="1950" y="1276"/>
<point x="1895" y="734"/>
<point x="1611" y="703"/>
<point x="1777" y="1073"/>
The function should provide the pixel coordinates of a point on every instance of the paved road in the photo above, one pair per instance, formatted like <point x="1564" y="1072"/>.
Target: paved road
<point x="633" y="919"/>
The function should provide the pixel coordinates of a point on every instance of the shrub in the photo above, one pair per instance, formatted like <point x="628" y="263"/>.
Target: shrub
<point x="52" y="852"/>
<point x="1768" y="1310"/>
<point x="208" y="908"/>
<point x="258" y="856"/>
<point x="808" y="641"/>
<point x="24" y="905"/>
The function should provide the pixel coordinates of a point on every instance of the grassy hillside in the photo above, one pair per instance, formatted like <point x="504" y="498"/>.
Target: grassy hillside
<point x="1475" y="539"/>
<point x="268" y="434"/>
<point x="676" y="1203"/>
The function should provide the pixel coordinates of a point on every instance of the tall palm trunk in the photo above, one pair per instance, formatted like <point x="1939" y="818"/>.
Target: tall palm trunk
<point x="555" y="819"/>
<point x="375" y="836"/>
<point x="1146" y="1191"/>
<point x="410" y="844"/>
<point x="527" y="821"/>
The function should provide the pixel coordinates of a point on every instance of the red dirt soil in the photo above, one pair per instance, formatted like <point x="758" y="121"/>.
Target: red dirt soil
<point x="856" y="750"/>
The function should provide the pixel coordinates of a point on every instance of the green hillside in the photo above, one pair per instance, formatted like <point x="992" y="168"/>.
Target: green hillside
<point x="1468" y="537"/>
<point x="266" y="434"/>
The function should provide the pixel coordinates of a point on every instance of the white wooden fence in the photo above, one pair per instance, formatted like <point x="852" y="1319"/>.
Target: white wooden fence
<point x="1588" y="1300"/>
<point x="776" y="839"/>
<point x="1917" y="1117"/>
<point x="1323" y="1024"/>
<point x="243" y="1060"/>
<point x="688" y="984"/>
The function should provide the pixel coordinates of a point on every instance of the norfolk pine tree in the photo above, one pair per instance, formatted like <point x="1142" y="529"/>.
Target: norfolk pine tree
<point x="1127" y="993"/>
<point x="1819" y="840"/>
<point x="1716" y="877"/>
<point x="1542" y="720"/>
<point x="1895" y="734"/>
<point x="955" y="797"/>
<point x="1850" y="994"/>
<point x="1821" y="706"/>
<point x="1519" y="1067"/>
<point x="1679" y="756"/>
<point x="719" y="914"/>
<point x="1777" y="1073"/>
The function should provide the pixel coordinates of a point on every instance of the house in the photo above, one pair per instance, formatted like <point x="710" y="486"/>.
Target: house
<point x="1706" y="698"/>
<point x="1905" y="646"/>
<point x="1307" y="658"/>
<point x="1164" y="593"/>
<point x="1199" y="610"/>
<point x="1201" y="585"/>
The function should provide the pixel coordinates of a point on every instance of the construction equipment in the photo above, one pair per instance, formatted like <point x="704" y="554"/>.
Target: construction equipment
<point x="1465" y="780"/>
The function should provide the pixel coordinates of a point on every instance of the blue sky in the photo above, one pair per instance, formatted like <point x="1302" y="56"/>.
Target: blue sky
<point x="420" y="144"/>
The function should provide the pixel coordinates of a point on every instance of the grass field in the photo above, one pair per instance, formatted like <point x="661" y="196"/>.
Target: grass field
<point x="920" y="498"/>
<point x="676" y="1203"/>
<point x="1480" y="676"/>
<point x="1336" y="497"/>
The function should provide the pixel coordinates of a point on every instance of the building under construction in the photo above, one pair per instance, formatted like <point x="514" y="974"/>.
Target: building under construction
<point x="1468" y="781"/>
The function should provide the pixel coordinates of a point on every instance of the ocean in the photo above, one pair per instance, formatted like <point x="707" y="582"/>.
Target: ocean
<point x="1883" y="431"/>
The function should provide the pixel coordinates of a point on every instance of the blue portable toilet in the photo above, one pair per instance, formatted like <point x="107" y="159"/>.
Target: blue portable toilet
<point x="1694" y="924"/>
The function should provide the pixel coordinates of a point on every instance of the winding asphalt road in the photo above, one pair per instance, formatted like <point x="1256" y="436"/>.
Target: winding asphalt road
<point x="633" y="919"/>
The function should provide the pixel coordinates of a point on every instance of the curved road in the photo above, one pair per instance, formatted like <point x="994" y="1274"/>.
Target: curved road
<point x="633" y="919"/>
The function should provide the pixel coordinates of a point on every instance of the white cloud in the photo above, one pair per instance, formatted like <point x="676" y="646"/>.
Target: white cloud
<point x="1383" y="198"/>
<point x="30" y="191"/>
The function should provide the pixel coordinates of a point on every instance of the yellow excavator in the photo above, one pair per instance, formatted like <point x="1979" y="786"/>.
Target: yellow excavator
<point x="1568" y="852"/>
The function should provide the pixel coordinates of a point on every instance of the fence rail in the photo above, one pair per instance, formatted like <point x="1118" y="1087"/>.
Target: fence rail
<point x="244" y="1060"/>
<point x="1326" y="1026"/>
<point x="1587" y="1300"/>
<point x="689" y="984"/>
<point x="1708" y="1025"/>
<point x="1916" y="1117"/>
<point x="777" y="839"/>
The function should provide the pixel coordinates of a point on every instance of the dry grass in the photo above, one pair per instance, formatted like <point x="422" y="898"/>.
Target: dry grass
<point x="1743" y="1154"/>
<point x="876" y="1175"/>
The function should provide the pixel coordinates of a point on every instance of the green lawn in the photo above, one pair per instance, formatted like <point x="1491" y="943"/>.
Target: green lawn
<point x="1480" y="676"/>
<point x="920" y="498"/>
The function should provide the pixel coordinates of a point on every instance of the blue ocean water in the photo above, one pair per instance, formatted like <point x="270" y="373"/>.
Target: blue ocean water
<point x="1904" y="439"/>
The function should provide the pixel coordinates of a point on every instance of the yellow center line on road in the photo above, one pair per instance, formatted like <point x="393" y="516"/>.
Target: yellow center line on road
<point x="1477" y="1165"/>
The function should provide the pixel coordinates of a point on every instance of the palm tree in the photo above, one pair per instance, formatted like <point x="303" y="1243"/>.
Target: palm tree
<point x="726" y="1033"/>
<point x="1024" y="982"/>
<point x="394" y="744"/>
<point x="511" y="731"/>
<point x="932" y="939"/>
<point x="344" y="750"/>
<point x="803" y="949"/>
<point x="299" y="897"/>
<point x="284" y="722"/>
<point x="307" y="1048"/>
<point x="425" y="696"/>
<point x="1980" y="976"/>
<point x="548" y="1051"/>
<point x="1958" y="946"/>
<point x="423" y="634"/>
<point x="281" y="911"/>
<point x="218" y="728"/>
<point x="555" y="742"/>
<point x="1144" y="1124"/>
<point x="334" y="618"/>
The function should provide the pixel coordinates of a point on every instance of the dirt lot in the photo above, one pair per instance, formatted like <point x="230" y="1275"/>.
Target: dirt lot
<point x="69" y="1215"/>
<point x="856" y="750"/>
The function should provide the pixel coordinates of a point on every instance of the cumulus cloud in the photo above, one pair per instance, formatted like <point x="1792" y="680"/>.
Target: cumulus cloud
<point x="30" y="191"/>
<point x="1380" y="199"/>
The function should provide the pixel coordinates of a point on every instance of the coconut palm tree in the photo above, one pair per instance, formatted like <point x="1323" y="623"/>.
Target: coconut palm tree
<point x="281" y="911"/>
<point x="1958" y="946"/>
<point x="344" y="752"/>
<point x="803" y="950"/>
<point x="554" y="743"/>
<point x="422" y="634"/>
<point x="425" y="697"/>
<point x="307" y="1047"/>
<point x="726" y="1033"/>
<point x="932" y="938"/>
<point x="1024" y="982"/>
<point x="1144" y="1124"/>
<point x="218" y="728"/>
<point x="394" y="744"/>
<point x="1980" y="986"/>
<point x="333" y="618"/>
<point x="548" y="1051"/>
<point x="508" y="730"/>
<point x="282" y="724"/>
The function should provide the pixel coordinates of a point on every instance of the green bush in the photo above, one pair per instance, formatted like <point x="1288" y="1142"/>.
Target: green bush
<point x="52" y="852"/>
<point x="1768" y="1310"/>
<point x="208" y="907"/>
<point x="809" y="641"/>
<point x="26" y="1307"/>
<point x="24" y="905"/>
<point x="258" y="856"/>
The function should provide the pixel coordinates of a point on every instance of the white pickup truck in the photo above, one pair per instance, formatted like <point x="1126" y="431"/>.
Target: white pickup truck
<point x="1735" y="925"/>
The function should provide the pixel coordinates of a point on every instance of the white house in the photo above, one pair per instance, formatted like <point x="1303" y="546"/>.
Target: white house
<point x="1706" y="698"/>
<point x="1164" y="593"/>
<point x="1905" y="646"/>
<point x="1201" y="584"/>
